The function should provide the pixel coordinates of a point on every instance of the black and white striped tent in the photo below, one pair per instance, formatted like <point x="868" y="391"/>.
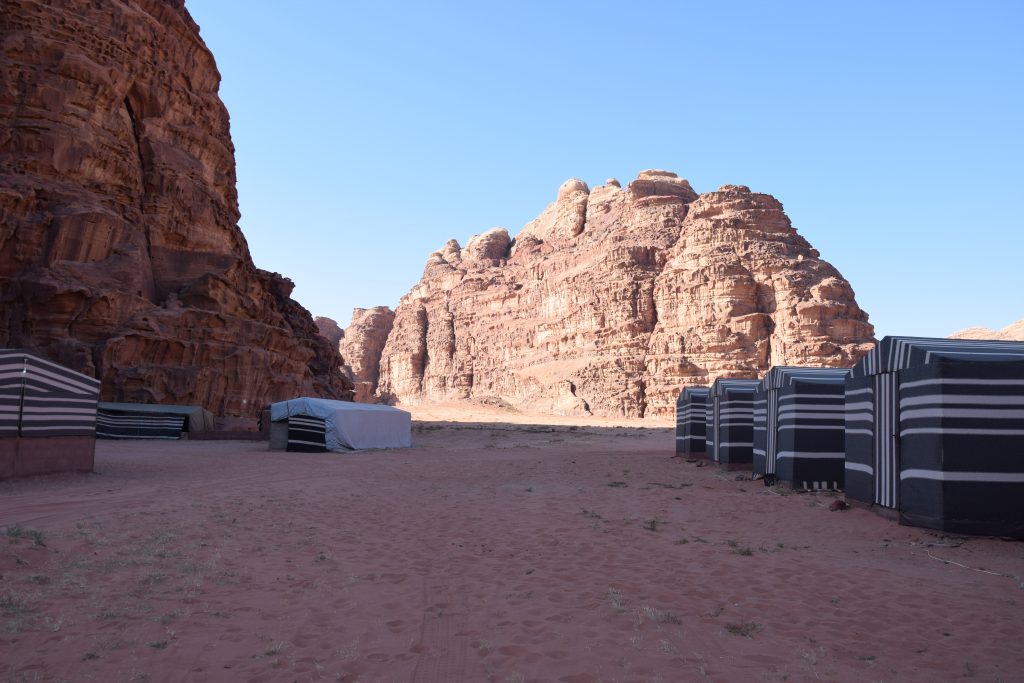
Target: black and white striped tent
<point x="799" y="425"/>
<point x="47" y="416"/>
<point x="730" y="422"/>
<point x="151" y="421"/>
<point x="691" y="417"/>
<point x="935" y="429"/>
<point x="316" y="425"/>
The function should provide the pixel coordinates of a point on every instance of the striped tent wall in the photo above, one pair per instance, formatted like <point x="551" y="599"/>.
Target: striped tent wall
<point x="859" y="394"/>
<point x="12" y="387"/>
<point x="39" y="398"/>
<point x="57" y="401"/>
<point x="961" y="428"/>
<point x="306" y="434"/>
<point x="883" y="370"/>
<point x="710" y="442"/>
<point x="886" y="446"/>
<point x="151" y="421"/>
<point x="759" y="468"/>
<point x="733" y="426"/>
<point x="810" y="432"/>
<point x="691" y="421"/>
<point x="112" y="424"/>
<point x="802" y="407"/>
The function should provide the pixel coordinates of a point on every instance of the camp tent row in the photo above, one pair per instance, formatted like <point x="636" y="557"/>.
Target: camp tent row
<point x="931" y="428"/>
<point x="47" y="416"/>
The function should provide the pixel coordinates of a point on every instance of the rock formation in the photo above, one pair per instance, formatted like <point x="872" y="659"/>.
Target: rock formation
<point x="614" y="299"/>
<point x="120" y="252"/>
<point x="1012" y="332"/>
<point x="329" y="330"/>
<point x="362" y="344"/>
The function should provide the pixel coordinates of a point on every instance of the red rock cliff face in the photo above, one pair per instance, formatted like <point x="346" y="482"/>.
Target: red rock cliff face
<point x="362" y="345"/>
<point x="613" y="300"/>
<point x="120" y="253"/>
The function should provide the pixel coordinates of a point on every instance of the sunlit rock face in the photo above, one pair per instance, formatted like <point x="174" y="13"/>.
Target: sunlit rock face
<point x="120" y="252"/>
<point x="613" y="300"/>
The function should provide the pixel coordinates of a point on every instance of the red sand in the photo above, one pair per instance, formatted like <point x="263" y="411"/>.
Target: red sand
<point x="485" y="553"/>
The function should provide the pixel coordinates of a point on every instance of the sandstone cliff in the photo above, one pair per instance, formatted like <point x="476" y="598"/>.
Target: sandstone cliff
<point x="614" y="299"/>
<point x="120" y="253"/>
<point x="362" y="344"/>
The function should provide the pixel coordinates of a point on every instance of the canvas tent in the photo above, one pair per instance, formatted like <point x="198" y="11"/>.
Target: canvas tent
<point x="730" y="422"/>
<point x="934" y="431"/>
<point x="344" y="425"/>
<point x="47" y="416"/>
<point x="691" y="417"/>
<point x="799" y="427"/>
<point x="151" y="421"/>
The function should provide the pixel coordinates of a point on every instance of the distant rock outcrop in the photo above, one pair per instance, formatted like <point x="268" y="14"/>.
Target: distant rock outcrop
<point x="362" y="344"/>
<point x="120" y="252"/>
<point x="613" y="300"/>
<point x="1012" y="332"/>
<point x="329" y="330"/>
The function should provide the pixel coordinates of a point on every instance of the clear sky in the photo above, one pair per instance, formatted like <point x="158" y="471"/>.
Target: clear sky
<point x="369" y="133"/>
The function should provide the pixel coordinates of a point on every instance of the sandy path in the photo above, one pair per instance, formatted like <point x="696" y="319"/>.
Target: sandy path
<point x="487" y="553"/>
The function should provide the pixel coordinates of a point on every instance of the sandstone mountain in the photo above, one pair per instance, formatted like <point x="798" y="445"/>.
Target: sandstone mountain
<point x="1012" y="332"/>
<point x="120" y="252"/>
<point x="614" y="299"/>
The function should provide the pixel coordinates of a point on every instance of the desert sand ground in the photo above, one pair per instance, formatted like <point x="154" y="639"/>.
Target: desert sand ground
<point x="494" y="550"/>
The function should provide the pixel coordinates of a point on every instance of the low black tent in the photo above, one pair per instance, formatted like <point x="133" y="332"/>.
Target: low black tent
<point x="730" y="422"/>
<point x="691" y="417"/>
<point x="934" y="431"/>
<point x="799" y="425"/>
<point x="151" y="421"/>
<point x="47" y="416"/>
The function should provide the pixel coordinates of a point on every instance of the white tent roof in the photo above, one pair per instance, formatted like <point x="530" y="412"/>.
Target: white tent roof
<point x="351" y="425"/>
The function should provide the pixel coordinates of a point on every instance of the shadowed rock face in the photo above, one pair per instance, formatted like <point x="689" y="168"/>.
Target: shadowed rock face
<point x="120" y="253"/>
<point x="613" y="300"/>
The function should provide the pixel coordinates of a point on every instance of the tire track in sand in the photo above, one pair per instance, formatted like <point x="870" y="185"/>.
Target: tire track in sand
<point x="444" y="641"/>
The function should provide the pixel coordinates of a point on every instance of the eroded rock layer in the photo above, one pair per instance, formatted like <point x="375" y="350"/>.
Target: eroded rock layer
<point x="120" y="253"/>
<point x="613" y="300"/>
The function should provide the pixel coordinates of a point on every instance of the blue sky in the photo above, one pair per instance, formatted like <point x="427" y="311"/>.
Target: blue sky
<point x="369" y="133"/>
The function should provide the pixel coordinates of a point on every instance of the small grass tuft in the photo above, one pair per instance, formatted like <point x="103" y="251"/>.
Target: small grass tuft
<point x="615" y="598"/>
<point x="747" y="629"/>
<point x="737" y="548"/>
<point x="18" y="531"/>
<point x="12" y="605"/>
